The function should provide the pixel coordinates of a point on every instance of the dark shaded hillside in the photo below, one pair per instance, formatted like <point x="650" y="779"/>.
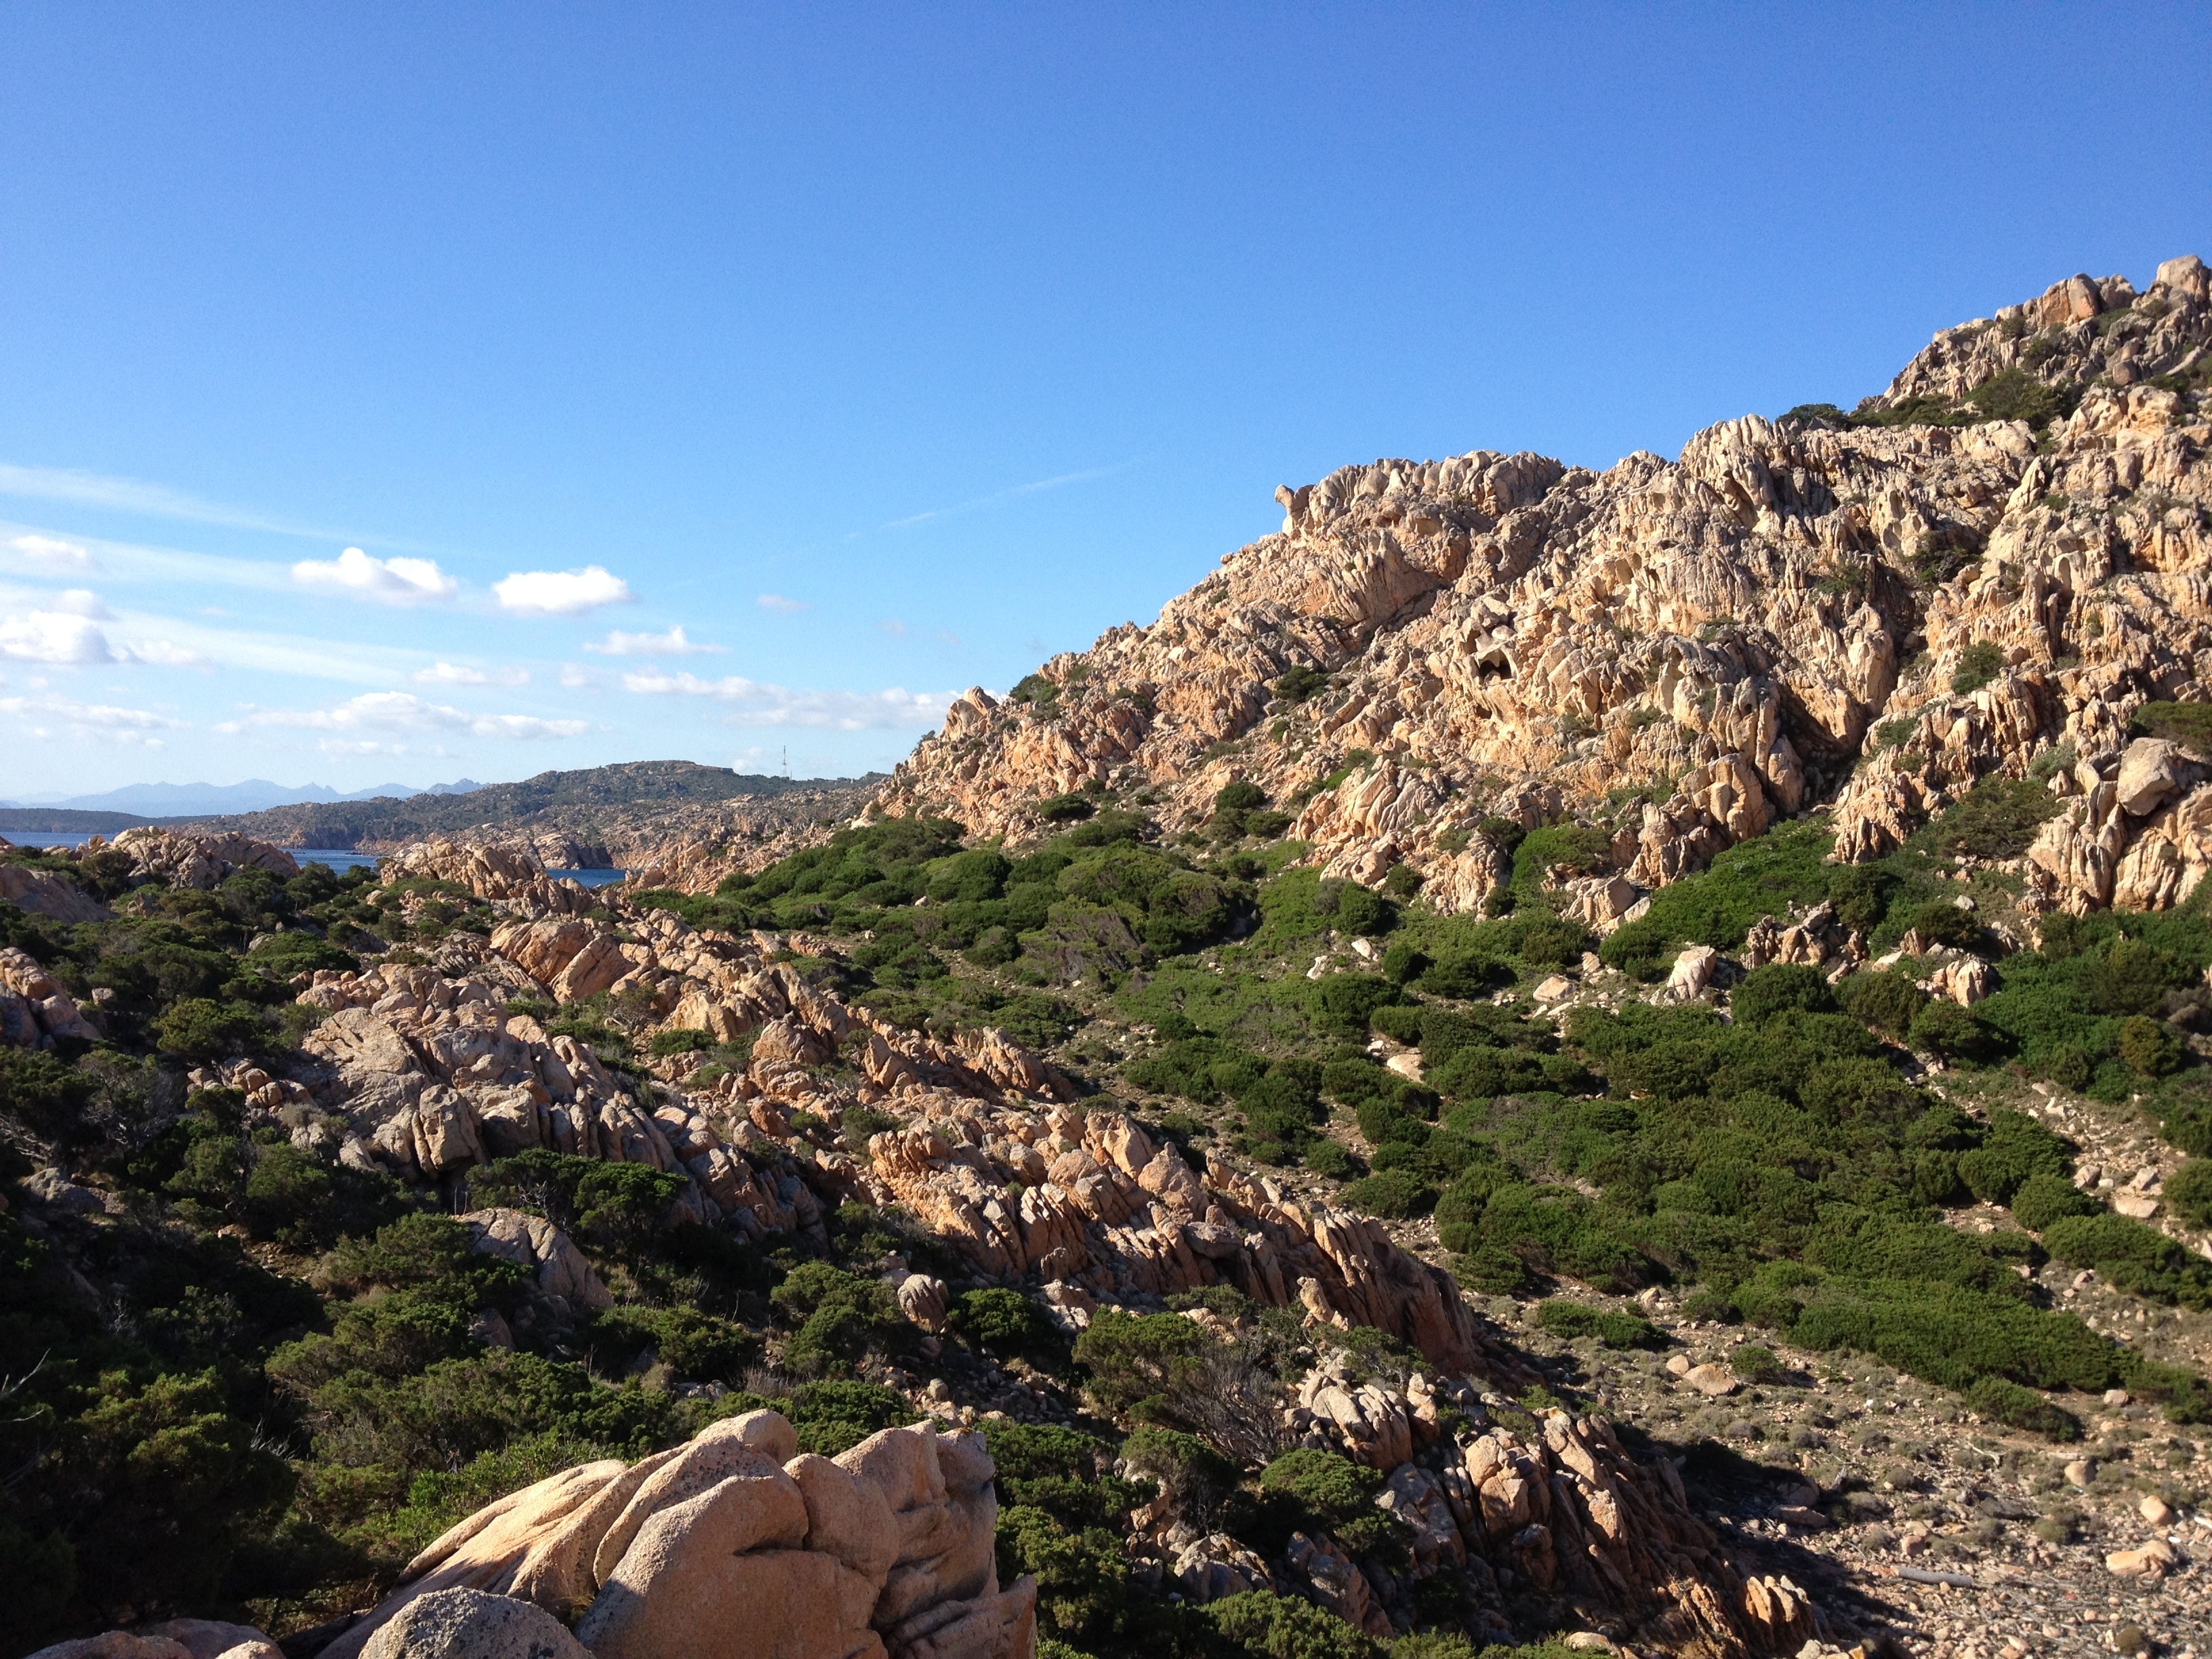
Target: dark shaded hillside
<point x="388" y="820"/>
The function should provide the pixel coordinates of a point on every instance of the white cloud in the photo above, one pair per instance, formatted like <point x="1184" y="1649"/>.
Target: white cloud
<point x="446" y="673"/>
<point x="781" y="606"/>
<point x="561" y="593"/>
<point x="55" y="636"/>
<point x="673" y="643"/>
<point x="70" y="635"/>
<point x="404" y="714"/>
<point x="93" y="721"/>
<point x="893" y="627"/>
<point x="51" y="554"/>
<point x="392" y="581"/>
<point x="763" y="704"/>
<point x="577" y="678"/>
<point x="164" y="655"/>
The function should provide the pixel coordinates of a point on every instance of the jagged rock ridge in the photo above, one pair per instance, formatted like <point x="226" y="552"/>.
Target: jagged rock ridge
<point x="1682" y="652"/>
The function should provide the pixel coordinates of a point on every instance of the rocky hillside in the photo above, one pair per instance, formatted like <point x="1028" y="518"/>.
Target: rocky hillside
<point x="1550" y="1063"/>
<point x="1997" y="561"/>
<point x="641" y="813"/>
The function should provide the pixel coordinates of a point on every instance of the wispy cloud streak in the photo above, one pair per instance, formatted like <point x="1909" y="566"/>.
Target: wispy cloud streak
<point x="992" y="500"/>
<point x="58" y="483"/>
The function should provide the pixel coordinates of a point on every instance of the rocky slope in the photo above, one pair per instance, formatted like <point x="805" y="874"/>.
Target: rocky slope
<point x="1999" y="558"/>
<point x="1013" y="1188"/>
<point x="427" y="1072"/>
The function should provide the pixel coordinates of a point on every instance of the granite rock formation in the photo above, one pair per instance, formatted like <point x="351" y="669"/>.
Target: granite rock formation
<point x="1986" y="569"/>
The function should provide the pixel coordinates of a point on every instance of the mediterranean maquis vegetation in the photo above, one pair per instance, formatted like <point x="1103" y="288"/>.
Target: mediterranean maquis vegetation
<point x="246" y="1377"/>
<point x="1483" y="1125"/>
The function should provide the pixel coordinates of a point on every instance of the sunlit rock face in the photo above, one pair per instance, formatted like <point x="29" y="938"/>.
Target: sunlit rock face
<point x="1806" y="614"/>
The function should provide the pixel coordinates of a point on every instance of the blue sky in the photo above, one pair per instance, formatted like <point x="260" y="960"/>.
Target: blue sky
<point x="701" y="381"/>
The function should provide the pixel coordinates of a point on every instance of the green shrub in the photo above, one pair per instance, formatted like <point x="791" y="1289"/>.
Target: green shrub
<point x="2014" y="394"/>
<point x="2188" y="1192"/>
<point x="1942" y="1027"/>
<point x="1997" y="818"/>
<point x="838" y="1316"/>
<point x="2189" y="724"/>
<point x="974" y="877"/>
<point x="1367" y="914"/>
<point x="1395" y="1195"/>
<point x="2022" y="1409"/>
<point x="1887" y="1001"/>
<point x="1261" y="1624"/>
<point x="1065" y="809"/>
<point x="1239" y="797"/>
<point x="203" y="1029"/>
<point x="681" y="1040"/>
<point x="1544" y="941"/>
<point x="1755" y="1364"/>
<point x="1298" y="682"/>
<point x="1400" y="1022"/>
<point x="1766" y="876"/>
<point x="1200" y="1478"/>
<point x="286" y="1189"/>
<point x="1347" y="1002"/>
<point x="2016" y="1148"/>
<point x="2131" y="1256"/>
<point x="2149" y="1048"/>
<point x="1953" y="1336"/>
<point x="1326" y="1157"/>
<point x="1404" y="962"/>
<point x="1978" y="664"/>
<point x="2186" y="1126"/>
<point x="1615" y="1330"/>
<point x="1306" y="1489"/>
<point x="1939" y="922"/>
<point x="282" y="955"/>
<point x="2043" y="1198"/>
<point x="1778" y="987"/>
<point x="697" y="1346"/>
<point x="1003" y="1323"/>
<point x="1134" y="1357"/>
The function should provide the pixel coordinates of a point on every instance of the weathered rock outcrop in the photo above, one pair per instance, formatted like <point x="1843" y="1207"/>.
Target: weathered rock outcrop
<point x="429" y="1076"/>
<point x="733" y="1544"/>
<point x="34" y="1012"/>
<point x="1502" y="635"/>
<point x="174" y="1638"/>
<point x="45" y="894"/>
<point x="189" y="858"/>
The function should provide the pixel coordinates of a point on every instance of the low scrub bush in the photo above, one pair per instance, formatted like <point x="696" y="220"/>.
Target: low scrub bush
<point x="2045" y="1198"/>
<point x="2132" y="1257"/>
<point x="2022" y="1409"/>
<point x="1562" y="1317"/>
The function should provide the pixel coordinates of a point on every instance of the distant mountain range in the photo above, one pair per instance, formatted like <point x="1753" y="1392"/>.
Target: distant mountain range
<point x="254" y="795"/>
